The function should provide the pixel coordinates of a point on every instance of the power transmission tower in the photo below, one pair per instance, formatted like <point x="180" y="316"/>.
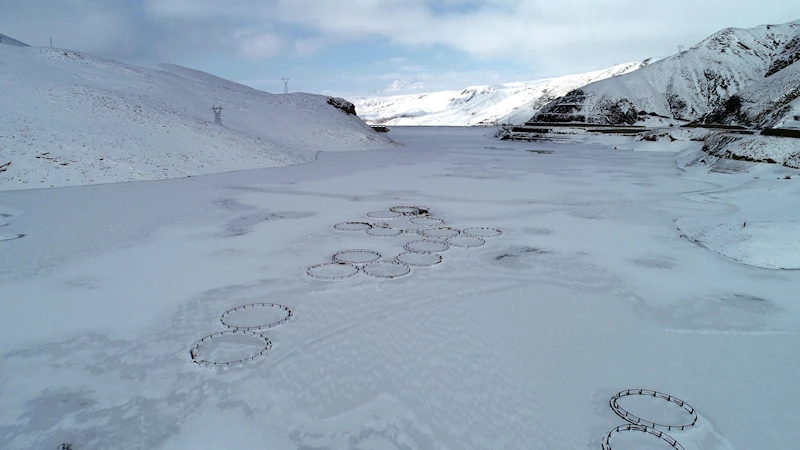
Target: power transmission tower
<point x="217" y="114"/>
<point x="680" y="49"/>
<point x="285" y="85"/>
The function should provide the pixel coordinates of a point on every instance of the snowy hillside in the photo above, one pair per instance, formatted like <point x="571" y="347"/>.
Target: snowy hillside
<point x="691" y="84"/>
<point x="69" y="118"/>
<point x="771" y="102"/>
<point x="478" y="105"/>
<point x="11" y="41"/>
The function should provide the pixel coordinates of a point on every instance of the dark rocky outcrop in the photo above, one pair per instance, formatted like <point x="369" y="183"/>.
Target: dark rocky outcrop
<point x="344" y="105"/>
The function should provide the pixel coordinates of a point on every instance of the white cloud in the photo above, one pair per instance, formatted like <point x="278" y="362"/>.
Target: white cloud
<point x="258" y="45"/>
<point x="534" y="29"/>
<point x="307" y="47"/>
<point x="561" y="35"/>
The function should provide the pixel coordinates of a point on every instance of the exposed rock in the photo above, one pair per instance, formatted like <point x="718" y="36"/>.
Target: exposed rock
<point x="344" y="105"/>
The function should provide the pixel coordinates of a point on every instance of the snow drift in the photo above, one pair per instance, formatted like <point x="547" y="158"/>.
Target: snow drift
<point x="69" y="118"/>
<point x="479" y="105"/>
<point x="759" y="62"/>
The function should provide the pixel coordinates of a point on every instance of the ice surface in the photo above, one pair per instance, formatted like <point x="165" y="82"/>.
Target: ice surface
<point x="516" y="344"/>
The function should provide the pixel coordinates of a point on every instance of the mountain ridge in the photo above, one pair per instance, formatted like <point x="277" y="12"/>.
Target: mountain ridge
<point x="478" y="105"/>
<point x="693" y="84"/>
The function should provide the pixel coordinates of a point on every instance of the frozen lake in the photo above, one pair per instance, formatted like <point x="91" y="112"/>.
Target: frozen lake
<point x="518" y="343"/>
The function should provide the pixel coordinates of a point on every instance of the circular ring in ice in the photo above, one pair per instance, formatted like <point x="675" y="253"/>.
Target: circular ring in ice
<point x="229" y="317"/>
<point x="606" y="444"/>
<point x="426" y="246"/>
<point x="426" y="221"/>
<point x="384" y="215"/>
<point x="387" y="269"/>
<point x="627" y="416"/>
<point x="332" y="271"/>
<point x="352" y="226"/>
<point x="441" y="232"/>
<point x="465" y="241"/>
<point x="415" y="259"/>
<point x="356" y="256"/>
<point x="197" y="358"/>
<point x="384" y="232"/>
<point x="482" y="232"/>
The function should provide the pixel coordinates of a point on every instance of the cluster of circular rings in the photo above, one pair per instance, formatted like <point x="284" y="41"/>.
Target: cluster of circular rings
<point x="636" y="423"/>
<point x="349" y="263"/>
<point x="431" y="227"/>
<point x="421" y="253"/>
<point x="241" y="330"/>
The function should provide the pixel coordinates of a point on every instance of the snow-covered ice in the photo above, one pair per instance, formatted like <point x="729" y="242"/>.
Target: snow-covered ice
<point x="519" y="343"/>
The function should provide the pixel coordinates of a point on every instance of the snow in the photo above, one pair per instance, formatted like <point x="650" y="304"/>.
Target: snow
<point x="773" y="245"/>
<point x="774" y="102"/>
<point x="69" y="118"/>
<point x="477" y="105"/>
<point x="673" y="139"/>
<point x="519" y="343"/>
<point x="780" y="150"/>
<point x="762" y="228"/>
<point x="695" y="82"/>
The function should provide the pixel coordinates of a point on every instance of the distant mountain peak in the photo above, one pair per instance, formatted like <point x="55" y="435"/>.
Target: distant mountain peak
<point x="756" y="67"/>
<point x="473" y="105"/>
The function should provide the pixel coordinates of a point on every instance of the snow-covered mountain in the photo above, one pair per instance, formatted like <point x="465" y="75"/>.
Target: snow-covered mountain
<point x="478" y="105"/>
<point x="70" y="118"/>
<point x="771" y="102"/>
<point x="756" y="62"/>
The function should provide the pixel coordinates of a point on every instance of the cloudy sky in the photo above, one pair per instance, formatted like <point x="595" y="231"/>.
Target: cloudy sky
<point x="358" y="47"/>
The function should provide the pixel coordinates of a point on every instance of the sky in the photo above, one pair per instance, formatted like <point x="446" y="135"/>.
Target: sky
<point x="360" y="47"/>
